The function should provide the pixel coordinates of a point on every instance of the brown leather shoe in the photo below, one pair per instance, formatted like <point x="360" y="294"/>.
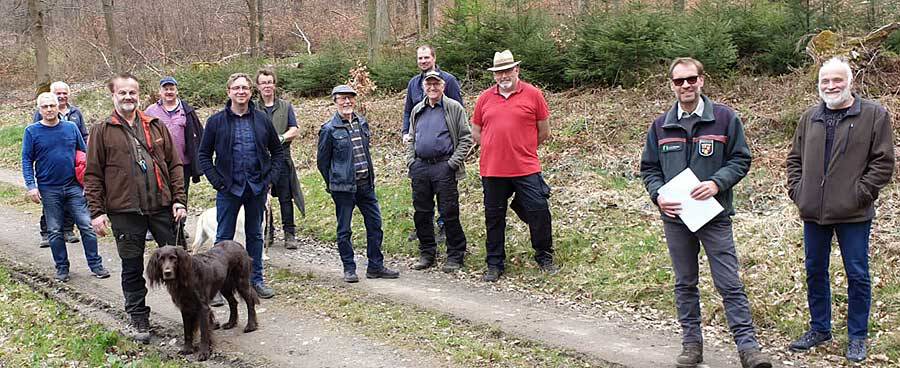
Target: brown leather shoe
<point x="691" y="355"/>
<point x="422" y="263"/>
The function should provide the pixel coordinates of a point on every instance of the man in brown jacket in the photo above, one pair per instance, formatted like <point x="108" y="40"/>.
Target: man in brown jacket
<point x="134" y="181"/>
<point x="842" y="155"/>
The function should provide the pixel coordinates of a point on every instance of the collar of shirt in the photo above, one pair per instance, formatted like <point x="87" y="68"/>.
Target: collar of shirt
<point x="697" y="111"/>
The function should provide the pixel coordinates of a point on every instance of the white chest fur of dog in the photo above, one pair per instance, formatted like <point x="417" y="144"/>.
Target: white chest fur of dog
<point x="205" y="232"/>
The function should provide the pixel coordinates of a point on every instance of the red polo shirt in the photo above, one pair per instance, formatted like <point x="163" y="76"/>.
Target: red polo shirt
<point x="509" y="131"/>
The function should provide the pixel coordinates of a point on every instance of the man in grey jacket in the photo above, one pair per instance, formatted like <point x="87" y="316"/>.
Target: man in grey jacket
<point x="440" y="137"/>
<point x="842" y="156"/>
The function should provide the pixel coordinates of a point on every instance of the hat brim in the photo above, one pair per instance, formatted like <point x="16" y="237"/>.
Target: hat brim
<point x="504" y="67"/>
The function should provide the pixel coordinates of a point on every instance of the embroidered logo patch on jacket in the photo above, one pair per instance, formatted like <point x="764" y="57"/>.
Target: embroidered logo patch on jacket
<point x="706" y="148"/>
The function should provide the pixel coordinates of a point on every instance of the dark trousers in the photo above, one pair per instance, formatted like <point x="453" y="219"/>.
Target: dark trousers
<point x="364" y="198"/>
<point x="68" y="200"/>
<point x="227" y="207"/>
<point x="853" y="240"/>
<point x="530" y="204"/>
<point x="281" y="189"/>
<point x="430" y="179"/>
<point x="717" y="240"/>
<point x="130" y="230"/>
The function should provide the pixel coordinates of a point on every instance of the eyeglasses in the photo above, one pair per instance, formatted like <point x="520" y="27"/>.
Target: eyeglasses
<point x="240" y="88"/>
<point x="341" y="99"/>
<point x="680" y="81"/>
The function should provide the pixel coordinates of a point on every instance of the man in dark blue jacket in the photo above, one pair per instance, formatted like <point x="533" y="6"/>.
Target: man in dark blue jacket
<point x="345" y="163"/>
<point x="248" y="156"/>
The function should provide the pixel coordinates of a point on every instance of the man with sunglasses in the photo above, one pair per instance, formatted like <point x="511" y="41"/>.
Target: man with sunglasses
<point x="249" y="156"/>
<point x="708" y="138"/>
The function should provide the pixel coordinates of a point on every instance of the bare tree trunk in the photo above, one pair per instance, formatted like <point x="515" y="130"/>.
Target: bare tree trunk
<point x="382" y="22"/>
<point x="426" y="18"/>
<point x="41" y="50"/>
<point x="252" y="19"/>
<point x="371" y="41"/>
<point x="114" y="53"/>
<point x="259" y="22"/>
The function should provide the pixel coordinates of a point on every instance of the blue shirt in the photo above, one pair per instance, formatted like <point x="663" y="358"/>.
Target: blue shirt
<point x="415" y="93"/>
<point x="432" y="135"/>
<point x="244" y="167"/>
<point x="72" y="116"/>
<point x="48" y="154"/>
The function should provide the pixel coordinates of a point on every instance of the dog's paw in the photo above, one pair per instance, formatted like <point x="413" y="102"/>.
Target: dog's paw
<point x="229" y="325"/>
<point x="250" y="328"/>
<point x="186" y="350"/>
<point x="203" y="354"/>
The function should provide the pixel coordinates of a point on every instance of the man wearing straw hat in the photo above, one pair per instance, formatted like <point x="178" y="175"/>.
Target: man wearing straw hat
<point x="509" y="122"/>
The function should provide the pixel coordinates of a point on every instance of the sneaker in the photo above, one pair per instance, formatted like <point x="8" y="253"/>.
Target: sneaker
<point x="100" y="272"/>
<point x="423" y="263"/>
<point x="217" y="301"/>
<point x="350" y="277"/>
<point x="140" y="328"/>
<point x="451" y="266"/>
<point x="70" y="237"/>
<point x="856" y="350"/>
<point x="383" y="273"/>
<point x="45" y="241"/>
<point x="263" y="291"/>
<point x="492" y="274"/>
<point x="441" y="236"/>
<point x="809" y="340"/>
<point x="691" y="355"/>
<point x="548" y="267"/>
<point x="62" y="275"/>
<point x="290" y="241"/>
<point x="753" y="358"/>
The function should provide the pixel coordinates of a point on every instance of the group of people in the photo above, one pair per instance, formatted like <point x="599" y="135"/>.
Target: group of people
<point x="139" y="166"/>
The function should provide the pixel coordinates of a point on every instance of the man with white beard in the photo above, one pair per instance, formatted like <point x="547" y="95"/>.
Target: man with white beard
<point x="842" y="155"/>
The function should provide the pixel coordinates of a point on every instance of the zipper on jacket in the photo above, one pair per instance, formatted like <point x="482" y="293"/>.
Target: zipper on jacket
<point x="849" y="135"/>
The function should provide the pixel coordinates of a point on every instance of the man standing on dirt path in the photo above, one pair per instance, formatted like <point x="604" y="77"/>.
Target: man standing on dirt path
<point x="48" y="155"/>
<point x="70" y="113"/>
<point x="842" y="156"/>
<point x="441" y="137"/>
<point x="286" y="186"/>
<point x="708" y="138"/>
<point x="510" y="122"/>
<point x="415" y="93"/>
<point x="133" y="182"/>
<point x="344" y="160"/>
<point x="249" y="157"/>
<point x="183" y="124"/>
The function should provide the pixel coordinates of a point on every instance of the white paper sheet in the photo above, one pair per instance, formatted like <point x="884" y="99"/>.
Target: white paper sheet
<point x="694" y="213"/>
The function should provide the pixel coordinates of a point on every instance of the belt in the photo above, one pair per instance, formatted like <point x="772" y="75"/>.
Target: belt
<point x="435" y="160"/>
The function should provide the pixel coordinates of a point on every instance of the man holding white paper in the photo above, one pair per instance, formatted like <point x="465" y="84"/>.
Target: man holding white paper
<point x="707" y="138"/>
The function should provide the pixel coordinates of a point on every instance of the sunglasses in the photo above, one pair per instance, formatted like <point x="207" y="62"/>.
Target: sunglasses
<point x="680" y="81"/>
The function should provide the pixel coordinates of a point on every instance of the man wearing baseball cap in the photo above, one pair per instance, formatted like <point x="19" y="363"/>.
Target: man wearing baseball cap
<point x="509" y="122"/>
<point x="440" y="137"/>
<point x="345" y="163"/>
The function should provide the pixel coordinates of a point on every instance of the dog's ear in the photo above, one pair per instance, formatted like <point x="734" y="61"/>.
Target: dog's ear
<point x="154" y="276"/>
<point x="185" y="269"/>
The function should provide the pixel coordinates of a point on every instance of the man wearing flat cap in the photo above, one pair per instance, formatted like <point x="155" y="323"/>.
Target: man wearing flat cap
<point x="345" y="163"/>
<point x="509" y="123"/>
<point x="440" y="137"/>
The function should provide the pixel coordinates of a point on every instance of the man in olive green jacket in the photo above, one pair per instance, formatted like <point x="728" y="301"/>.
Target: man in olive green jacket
<point x="842" y="156"/>
<point x="440" y="137"/>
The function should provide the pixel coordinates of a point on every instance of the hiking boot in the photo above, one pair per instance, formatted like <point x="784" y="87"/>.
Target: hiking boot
<point x="809" y="340"/>
<point x="290" y="241"/>
<point x="45" y="241"/>
<point x="70" y="237"/>
<point x="548" y="267"/>
<point x="218" y="300"/>
<point x="62" y="275"/>
<point x="100" y="272"/>
<point x="263" y="291"/>
<point x="753" y="358"/>
<point x="423" y="263"/>
<point x="350" y="277"/>
<point x="441" y="236"/>
<point x="856" y="350"/>
<point x="140" y="328"/>
<point x="451" y="266"/>
<point x="383" y="273"/>
<point x="492" y="274"/>
<point x="691" y="355"/>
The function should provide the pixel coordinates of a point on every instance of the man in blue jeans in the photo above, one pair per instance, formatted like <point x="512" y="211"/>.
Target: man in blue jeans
<point x="48" y="155"/>
<point x="345" y="163"/>
<point x="249" y="156"/>
<point x="842" y="156"/>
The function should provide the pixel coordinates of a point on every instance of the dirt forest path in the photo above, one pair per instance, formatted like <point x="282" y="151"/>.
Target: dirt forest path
<point x="292" y="337"/>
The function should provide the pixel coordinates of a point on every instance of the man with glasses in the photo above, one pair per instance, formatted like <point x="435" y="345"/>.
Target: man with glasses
<point x="441" y="137"/>
<point x="249" y="156"/>
<point x="286" y="186"/>
<point x="708" y="138"/>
